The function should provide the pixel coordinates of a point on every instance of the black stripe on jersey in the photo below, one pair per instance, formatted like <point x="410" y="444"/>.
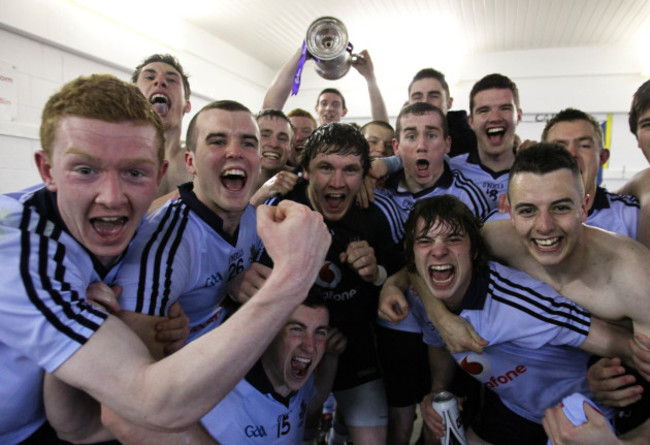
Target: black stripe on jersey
<point x="544" y="303"/>
<point x="388" y="207"/>
<point x="142" y="276"/>
<point x="173" y="212"/>
<point x="170" y="259"/>
<point x="273" y="201"/>
<point x="42" y="253"/>
<point x="481" y="202"/>
<point x="627" y="200"/>
<point x="491" y="213"/>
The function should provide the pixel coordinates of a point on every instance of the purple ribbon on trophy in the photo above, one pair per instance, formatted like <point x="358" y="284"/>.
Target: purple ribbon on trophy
<point x="298" y="73"/>
<point x="327" y="44"/>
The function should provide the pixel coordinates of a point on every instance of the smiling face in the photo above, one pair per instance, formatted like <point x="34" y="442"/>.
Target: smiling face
<point x="295" y="352"/>
<point x="334" y="181"/>
<point x="443" y="258"/>
<point x="303" y="127"/>
<point x="330" y="108"/>
<point x="580" y="139"/>
<point x="422" y="146"/>
<point x="105" y="175"/>
<point x="547" y="211"/>
<point x="276" y="137"/>
<point x="162" y="85"/>
<point x="226" y="160"/>
<point x="494" y="119"/>
<point x="430" y="90"/>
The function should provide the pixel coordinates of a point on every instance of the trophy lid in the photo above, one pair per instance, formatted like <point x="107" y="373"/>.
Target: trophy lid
<point x="326" y="38"/>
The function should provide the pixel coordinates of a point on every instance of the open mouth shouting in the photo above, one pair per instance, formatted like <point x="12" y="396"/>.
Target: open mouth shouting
<point x="422" y="166"/>
<point x="108" y="227"/>
<point x="335" y="201"/>
<point x="442" y="275"/>
<point x="496" y="134"/>
<point x="300" y="367"/>
<point x="234" y="179"/>
<point x="161" y="103"/>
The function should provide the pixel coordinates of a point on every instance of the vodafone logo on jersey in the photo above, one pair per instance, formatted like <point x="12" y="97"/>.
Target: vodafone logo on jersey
<point x="329" y="276"/>
<point x="479" y="367"/>
<point x="476" y="365"/>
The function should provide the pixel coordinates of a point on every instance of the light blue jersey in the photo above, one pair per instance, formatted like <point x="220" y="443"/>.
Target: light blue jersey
<point x="616" y="213"/>
<point x="44" y="317"/>
<point x="182" y="254"/>
<point x="253" y="413"/>
<point x="531" y="362"/>
<point x="492" y="183"/>
<point x="451" y="182"/>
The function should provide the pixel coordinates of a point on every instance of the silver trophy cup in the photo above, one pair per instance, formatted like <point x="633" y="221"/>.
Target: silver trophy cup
<point x="327" y="42"/>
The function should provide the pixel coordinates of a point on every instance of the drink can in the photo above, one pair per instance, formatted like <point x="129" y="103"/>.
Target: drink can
<point x="444" y="403"/>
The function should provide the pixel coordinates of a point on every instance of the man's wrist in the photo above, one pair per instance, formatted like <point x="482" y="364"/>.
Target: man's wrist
<point x="381" y="275"/>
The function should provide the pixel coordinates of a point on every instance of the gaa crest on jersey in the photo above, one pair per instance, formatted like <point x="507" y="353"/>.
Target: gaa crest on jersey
<point x="476" y="365"/>
<point x="329" y="276"/>
<point x="253" y="431"/>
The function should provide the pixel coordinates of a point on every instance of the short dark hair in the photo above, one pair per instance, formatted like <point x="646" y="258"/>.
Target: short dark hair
<point x="430" y="73"/>
<point x="489" y="82"/>
<point x="640" y="103"/>
<point x="169" y="60"/>
<point x="273" y="113"/>
<point x="444" y="209"/>
<point x="333" y="91"/>
<point x="339" y="139"/>
<point x="315" y="298"/>
<point x="277" y="114"/>
<point x="226" y="105"/>
<point x="542" y="158"/>
<point x="571" y="115"/>
<point x="418" y="109"/>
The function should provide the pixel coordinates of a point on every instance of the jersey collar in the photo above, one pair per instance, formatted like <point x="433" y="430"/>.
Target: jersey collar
<point x="45" y="203"/>
<point x="213" y="220"/>
<point x="258" y="379"/>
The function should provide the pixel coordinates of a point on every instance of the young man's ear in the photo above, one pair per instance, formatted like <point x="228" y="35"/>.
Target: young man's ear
<point x="190" y="163"/>
<point x="45" y="170"/>
<point x="604" y="156"/>
<point x="161" y="173"/>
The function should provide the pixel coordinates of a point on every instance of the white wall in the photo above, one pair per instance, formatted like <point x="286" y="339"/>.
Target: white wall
<point x="50" y="42"/>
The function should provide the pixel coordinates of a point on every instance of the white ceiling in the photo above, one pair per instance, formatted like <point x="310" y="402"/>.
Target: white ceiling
<point x="272" y="30"/>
